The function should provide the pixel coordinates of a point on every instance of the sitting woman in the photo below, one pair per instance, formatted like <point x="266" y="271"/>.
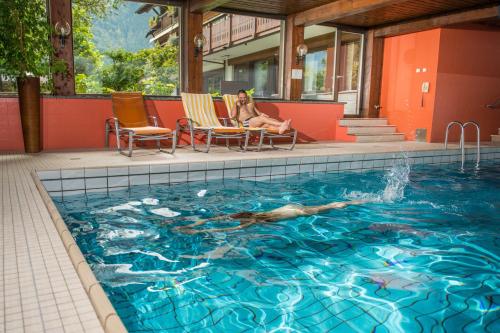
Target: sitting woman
<point x="247" y="114"/>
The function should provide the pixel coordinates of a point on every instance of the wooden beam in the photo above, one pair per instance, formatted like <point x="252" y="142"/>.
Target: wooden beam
<point x="294" y="36"/>
<point x="439" y="21"/>
<point x="178" y="3"/>
<point x="192" y="64"/>
<point x="245" y="12"/>
<point x="64" y="83"/>
<point x="202" y="6"/>
<point x="339" y="9"/>
<point x="374" y="58"/>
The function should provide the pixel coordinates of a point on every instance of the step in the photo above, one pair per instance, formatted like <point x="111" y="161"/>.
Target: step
<point x="362" y="121"/>
<point x="377" y="129"/>
<point x="495" y="138"/>
<point x="380" y="137"/>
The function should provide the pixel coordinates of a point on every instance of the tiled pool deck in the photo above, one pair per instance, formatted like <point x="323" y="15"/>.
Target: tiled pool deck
<point x="41" y="290"/>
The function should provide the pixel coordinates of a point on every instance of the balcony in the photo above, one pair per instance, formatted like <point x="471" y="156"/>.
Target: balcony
<point x="166" y="24"/>
<point x="232" y="29"/>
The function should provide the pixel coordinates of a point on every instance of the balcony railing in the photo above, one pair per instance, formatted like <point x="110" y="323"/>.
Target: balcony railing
<point x="234" y="29"/>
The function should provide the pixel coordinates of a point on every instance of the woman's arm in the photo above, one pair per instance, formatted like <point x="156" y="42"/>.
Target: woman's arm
<point x="234" y="111"/>
<point x="258" y="112"/>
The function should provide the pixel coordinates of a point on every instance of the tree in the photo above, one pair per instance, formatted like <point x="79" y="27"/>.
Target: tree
<point x="152" y="70"/>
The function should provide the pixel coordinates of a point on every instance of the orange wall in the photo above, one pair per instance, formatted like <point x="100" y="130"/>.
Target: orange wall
<point x="78" y="123"/>
<point x="463" y="69"/>
<point x="401" y="96"/>
<point x="468" y="79"/>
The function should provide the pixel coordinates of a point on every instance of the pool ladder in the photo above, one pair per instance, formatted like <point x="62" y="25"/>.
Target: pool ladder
<point x="461" y="142"/>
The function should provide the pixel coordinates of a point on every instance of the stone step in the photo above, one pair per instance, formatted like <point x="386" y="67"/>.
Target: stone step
<point x="362" y="121"/>
<point x="495" y="138"/>
<point x="378" y="129"/>
<point x="380" y="137"/>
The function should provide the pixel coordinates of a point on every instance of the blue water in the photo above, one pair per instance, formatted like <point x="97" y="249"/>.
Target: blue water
<point x="421" y="256"/>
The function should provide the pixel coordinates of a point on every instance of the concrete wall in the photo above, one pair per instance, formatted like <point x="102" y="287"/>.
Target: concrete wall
<point x="468" y="79"/>
<point x="78" y="123"/>
<point x="402" y="100"/>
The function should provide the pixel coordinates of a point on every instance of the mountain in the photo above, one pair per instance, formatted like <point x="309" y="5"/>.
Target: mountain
<point x="122" y="28"/>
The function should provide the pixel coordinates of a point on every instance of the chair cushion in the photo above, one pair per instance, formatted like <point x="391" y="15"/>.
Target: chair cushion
<point x="225" y="129"/>
<point x="276" y="131"/>
<point x="149" y="130"/>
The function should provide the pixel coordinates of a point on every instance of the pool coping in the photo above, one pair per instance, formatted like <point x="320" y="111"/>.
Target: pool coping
<point x="106" y="313"/>
<point x="314" y="163"/>
<point x="73" y="181"/>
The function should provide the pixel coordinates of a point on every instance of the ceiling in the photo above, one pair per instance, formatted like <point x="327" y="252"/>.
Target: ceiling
<point x="405" y="10"/>
<point x="402" y="11"/>
<point x="410" y="10"/>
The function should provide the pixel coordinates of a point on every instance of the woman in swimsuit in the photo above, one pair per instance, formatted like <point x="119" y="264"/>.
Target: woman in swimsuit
<point x="249" y="116"/>
<point x="247" y="219"/>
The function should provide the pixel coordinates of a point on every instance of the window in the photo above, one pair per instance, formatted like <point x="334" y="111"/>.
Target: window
<point x="242" y="52"/>
<point x="125" y="46"/>
<point x="332" y="68"/>
<point x="319" y="63"/>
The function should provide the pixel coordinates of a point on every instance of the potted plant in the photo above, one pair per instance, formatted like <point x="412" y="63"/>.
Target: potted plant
<point x="25" y="52"/>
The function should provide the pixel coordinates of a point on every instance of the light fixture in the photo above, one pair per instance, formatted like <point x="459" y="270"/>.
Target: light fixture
<point x="62" y="30"/>
<point x="301" y="53"/>
<point x="199" y="42"/>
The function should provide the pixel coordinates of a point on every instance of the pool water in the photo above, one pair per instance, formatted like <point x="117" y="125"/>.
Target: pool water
<point x="422" y="255"/>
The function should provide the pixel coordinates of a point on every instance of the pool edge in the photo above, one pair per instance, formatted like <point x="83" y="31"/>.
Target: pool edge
<point x="106" y="313"/>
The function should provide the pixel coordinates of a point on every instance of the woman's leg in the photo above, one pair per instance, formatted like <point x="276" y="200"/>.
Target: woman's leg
<point x="270" y="123"/>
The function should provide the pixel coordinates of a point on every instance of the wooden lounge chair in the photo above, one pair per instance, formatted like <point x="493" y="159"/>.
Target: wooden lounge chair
<point x="267" y="133"/>
<point x="202" y="119"/>
<point x="131" y="122"/>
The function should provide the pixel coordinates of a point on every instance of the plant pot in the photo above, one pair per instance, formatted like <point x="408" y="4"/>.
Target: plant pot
<point x="29" y="105"/>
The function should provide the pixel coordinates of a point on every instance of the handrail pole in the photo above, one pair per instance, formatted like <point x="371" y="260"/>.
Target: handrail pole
<point x="478" y="140"/>
<point x="447" y="129"/>
<point x="462" y="146"/>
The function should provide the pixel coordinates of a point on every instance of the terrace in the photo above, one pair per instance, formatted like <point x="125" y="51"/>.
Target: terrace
<point x="370" y="112"/>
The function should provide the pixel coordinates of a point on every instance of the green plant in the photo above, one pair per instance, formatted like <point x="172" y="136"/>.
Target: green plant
<point x="250" y="92"/>
<point x="25" y="47"/>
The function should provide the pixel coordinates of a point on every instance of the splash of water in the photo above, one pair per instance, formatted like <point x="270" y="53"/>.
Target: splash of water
<point x="396" y="180"/>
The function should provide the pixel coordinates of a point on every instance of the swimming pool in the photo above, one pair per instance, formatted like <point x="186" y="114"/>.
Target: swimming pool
<point x="421" y="255"/>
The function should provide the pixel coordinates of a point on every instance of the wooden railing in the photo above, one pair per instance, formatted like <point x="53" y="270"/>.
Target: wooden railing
<point x="233" y="29"/>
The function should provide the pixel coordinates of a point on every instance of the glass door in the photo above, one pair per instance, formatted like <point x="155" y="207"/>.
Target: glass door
<point x="348" y="71"/>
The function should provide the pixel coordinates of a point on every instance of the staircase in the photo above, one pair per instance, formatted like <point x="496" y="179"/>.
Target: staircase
<point x="495" y="138"/>
<point x="371" y="130"/>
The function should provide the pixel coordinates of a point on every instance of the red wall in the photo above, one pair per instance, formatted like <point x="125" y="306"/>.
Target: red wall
<point x="11" y="133"/>
<point x="78" y="123"/>
<point x="401" y="96"/>
<point x="468" y="79"/>
<point x="463" y="69"/>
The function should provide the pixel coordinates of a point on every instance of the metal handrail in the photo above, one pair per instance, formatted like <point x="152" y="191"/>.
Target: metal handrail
<point x="462" y="139"/>
<point x="478" y="134"/>
<point x="494" y="105"/>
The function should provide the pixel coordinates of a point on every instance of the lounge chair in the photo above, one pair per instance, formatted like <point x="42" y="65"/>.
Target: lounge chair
<point x="202" y="119"/>
<point x="267" y="133"/>
<point x="131" y="122"/>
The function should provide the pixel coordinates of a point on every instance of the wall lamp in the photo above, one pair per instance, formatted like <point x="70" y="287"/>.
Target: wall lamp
<point x="301" y="53"/>
<point x="62" y="30"/>
<point x="199" y="42"/>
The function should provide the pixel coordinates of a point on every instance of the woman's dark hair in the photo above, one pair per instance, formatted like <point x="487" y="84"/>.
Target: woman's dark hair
<point x="242" y="91"/>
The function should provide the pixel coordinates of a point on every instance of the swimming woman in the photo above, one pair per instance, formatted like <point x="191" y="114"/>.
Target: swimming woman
<point x="247" y="219"/>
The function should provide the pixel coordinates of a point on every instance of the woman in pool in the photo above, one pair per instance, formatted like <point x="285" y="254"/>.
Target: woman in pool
<point x="250" y="218"/>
